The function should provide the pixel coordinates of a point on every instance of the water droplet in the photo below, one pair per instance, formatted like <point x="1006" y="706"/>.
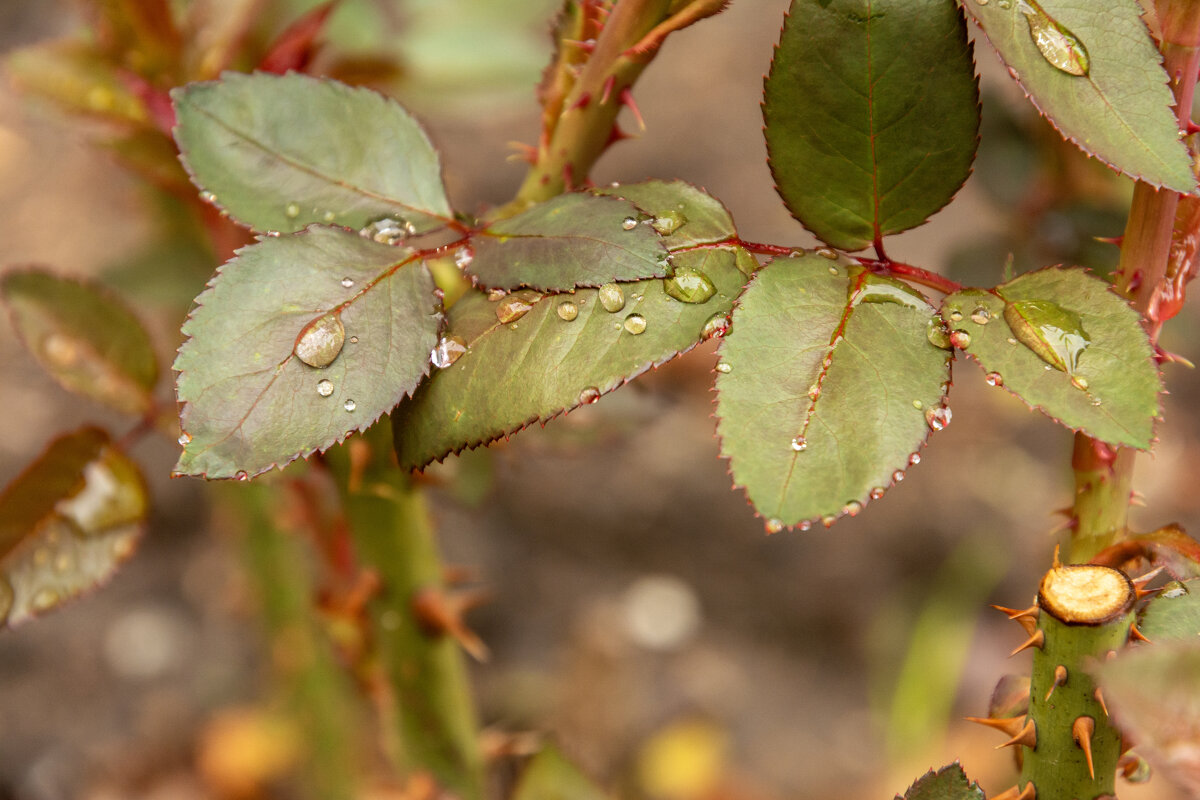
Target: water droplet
<point x="833" y="271"/>
<point x="689" y="285"/>
<point x="1011" y="340"/>
<point x="1079" y="382"/>
<point x="715" y="326"/>
<point x="877" y="492"/>
<point x="208" y="197"/>
<point x="388" y="230"/>
<point x="937" y="333"/>
<point x="814" y="391"/>
<point x="805" y="525"/>
<point x="496" y="294"/>
<point x="347" y="282"/>
<point x="994" y="379"/>
<point x="826" y="252"/>
<point x="589" y="395"/>
<point x="349" y="405"/>
<point x="448" y="350"/>
<point x="567" y="310"/>
<point x="918" y="405"/>
<point x="878" y="289"/>
<point x="324" y="387"/>
<point x="799" y="444"/>
<point x="612" y="298"/>
<point x="1173" y="589"/>
<point x="1055" y="334"/>
<point x="938" y="418"/>
<point x="629" y="223"/>
<point x="724" y="367"/>
<point x="897" y="476"/>
<point x="516" y="305"/>
<point x="981" y="316"/>
<point x="321" y="341"/>
<point x="242" y="475"/>
<point x="955" y="316"/>
<point x="635" y="324"/>
<point x="184" y="439"/>
<point x="463" y="257"/>
<point x="1061" y="48"/>
<point x="668" y="222"/>
<point x="828" y="520"/>
<point x="292" y="211"/>
<point x="982" y="2"/>
<point x="772" y="526"/>
<point x="353" y="340"/>
<point x="329" y="216"/>
<point x="852" y="508"/>
<point x="960" y="339"/>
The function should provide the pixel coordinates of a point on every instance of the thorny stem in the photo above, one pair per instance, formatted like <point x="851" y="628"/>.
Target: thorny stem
<point x="1104" y="476"/>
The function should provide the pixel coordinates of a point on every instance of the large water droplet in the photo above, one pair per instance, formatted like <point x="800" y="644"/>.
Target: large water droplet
<point x="588" y="395"/>
<point x="938" y="418"/>
<point x="1061" y="48"/>
<point x="612" y="297"/>
<point x="981" y="316"/>
<point x="321" y="341"/>
<point x="937" y="333"/>
<point x="715" y="326"/>
<point x="568" y="311"/>
<point x="516" y="305"/>
<point x="388" y="230"/>
<point x="635" y="324"/>
<point x="994" y="379"/>
<point x="668" y="222"/>
<point x="448" y="350"/>
<point x="1048" y="329"/>
<point x="349" y="405"/>
<point x="324" y="387"/>
<point x="799" y="444"/>
<point x="960" y="339"/>
<point x="772" y="525"/>
<point x="689" y="285"/>
<point x="878" y="289"/>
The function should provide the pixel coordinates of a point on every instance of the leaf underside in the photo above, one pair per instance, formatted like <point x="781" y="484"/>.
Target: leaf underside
<point x="542" y="365"/>
<point x="860" y="416"/>
<point x="872" y="115"/>
<point x="1120" y="401"/>
<point x="66" y="524"/>
<point x="1121" y="110"/>
<point x="280" y="152"/>
<point x="948" y="783"/>
<point x="249" y="402"/>
<point x="84" y="337"/>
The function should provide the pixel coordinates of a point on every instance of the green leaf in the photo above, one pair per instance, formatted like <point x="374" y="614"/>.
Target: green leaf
<point x="572" y="240"/>
<point x="1174" y="614"/>
<point x="66" y="523"/>
<point x="1121" y="110"/>
<point x="550" y="776"/>
<point x="365" y="310"/>
<point x="684" y="215"/>
<point x="280" y="152"/>
<point x="1111" y="391"/>
<point x="948" y="783"/>
<point x="831" y="387"/>
<point x="565" y="351"/>
<point x="872" y="115"/>
<point x="84" y="337"/>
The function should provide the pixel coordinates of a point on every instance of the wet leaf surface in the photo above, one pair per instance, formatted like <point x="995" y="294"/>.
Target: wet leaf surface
<point x="1174" y="614"/>
<point x="1119" y="111"/>
<point x="66" y="524"/>
<point x="831" y="389"/>
<point x="280" y="152"/>
<point x="1064" y="343"/>
<point x="572" y="240"/>
<point x="872" y="115"/>
<point x="250" y="400"/>
<point x="84" y="337"/>
<point x="948" y="783"/>
<point x="566" y="351"/>
<point x="685" y="215"/>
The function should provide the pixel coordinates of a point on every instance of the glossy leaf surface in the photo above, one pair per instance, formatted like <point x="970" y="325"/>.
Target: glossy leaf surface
<point x="684" y="215"/>
<point x="250" y="402"/>
<point x="572" y="240"/>
<point x="566" y="351"/>
<point x="66" y="523"/>
<point x="1111" y="393"/>
<point x="280" y="152"/>
<point x="84" y="337"/>
<point x="948" y="783"/>
<point x="872" y="115"/>
<point x="830" y="389"/>
<point x="1119" y="111"/>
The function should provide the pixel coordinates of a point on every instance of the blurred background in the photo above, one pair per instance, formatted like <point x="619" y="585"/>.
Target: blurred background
<point x="638" y="613"/>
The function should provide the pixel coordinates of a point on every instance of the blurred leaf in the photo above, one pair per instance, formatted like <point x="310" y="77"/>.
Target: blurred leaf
<point x="295" y="47"/>
<point x="84" y="337"/>
<point x="280" y="152"/>
<point x="1154" y="695"/>
<point x="1010" y="698"/>
<point x="66" y="523"/>
<point x="685" y="215"/>
<point x="1121" y="110"/>
<point x="550" y="776"/>
<point x="948" y="783"/>
<point x="71" y="74"/>
<point x="214" y="30"/>
<point x="1109" y="392"/>
<point x="566" y="351"/>
<point x="365" y="310"/>
<point x="872" y="115"/>
<point x="831" y="383"/>
<point x="1174" y="614"/>
<point x="572" y="240"/>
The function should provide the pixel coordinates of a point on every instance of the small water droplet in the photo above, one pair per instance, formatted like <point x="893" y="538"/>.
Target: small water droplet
<point x="724" y="367"/>
<point x="208" y="197"/>
<point x="805" y="525"/>
<point x="292" y="211"/>
<point x="349" y="405"/>
<point x="516" y="305"/>
<point x="715" y="326"/>
<point x="321" y="341"/>
<point x="241" y="475"/>
<point x="448" y="350"/>
<point x="353" y="340"/>
<point x="877" y="492"/>
<point x="668" y="222"/>
<point x="981" y="316"/>
<point x="833" y="271"/>
<point x="568" y="311"/>
<point x="799" y="444"/>
<point x="1061" y="48"/>
<point x="938" y="418"/>
<point x="588" y="395"/>
<point x="955" y="316"/>
<point x="772" y="525"/>
<point x="826" y="252"/>
<point x="324" y="387"/>
<point x="329" y="216"/>
<point x="347" y="282"/>
<point x="1011" y="340"/>
<point x="689" y="285"/>
<point x="994" y="379"/>
<point x="635" y="324"/>
<point x="184" y="439"/>
<point x="960" y="339"/>
<point x="852" y="508"/>
<point x="629" y="223"/>
<point x="814" y="391"/>
<point x="982" y="2"/>
<point x="612" y="298"/>
<point x="897" y="476"/>
<point x="463" y="257"/>
<point x="918" y="405"/>
<point x="1079" y="382"/>
<point x="828" y="520"/>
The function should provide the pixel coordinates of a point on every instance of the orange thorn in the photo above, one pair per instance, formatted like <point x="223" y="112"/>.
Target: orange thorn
<point x="1100" y="699"/>
<point x="1140" y="583"/>
<point x="1013" y="613"/>
<point x="1036" y="640"/>
<point x="627" y="99"/>
<point x="606" y="94"/>
<point x="1060" y="677"/>
<point x="1026" y="736"/>
<point x="1137" y="635"/>
<point x="1081" y="731"/>
<point x="1109" y="239"/>
<point x="1028" y="793"/>
<point x="1009" y="725"/>
<point x="441" y="613"/>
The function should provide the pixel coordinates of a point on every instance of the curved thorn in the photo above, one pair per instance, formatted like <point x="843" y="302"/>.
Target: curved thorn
<point x="1026" y="736"/>
<point x="1036" y="640"/>
<point x="1009" y="725"/>
<point x="1060" y="677"/>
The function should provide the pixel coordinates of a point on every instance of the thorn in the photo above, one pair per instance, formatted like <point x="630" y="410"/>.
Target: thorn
<point x="617" y="135"/>
<point x="582" y="102"/>
<point x="1026" y="618"/>
<point x="441" y="613"/>
<point x="1191" y="128"/>
<point x="1100" y="699"/>
<point x="1008" y="725"/>
<point x="1081" y="731"/>
<point x="609" y="83"/>
<point x="1060" y="677"/>
<point x="627" y="99"/>
<point x="1165" y="356"/>
<point x="1056" y="563"/>
<point x="1117" y="240"/>
<point x="1137" y="635"/>
<point x="1036" y="640"/>
<point x="1028" y="793"/>
<point x="1026" y="736"/>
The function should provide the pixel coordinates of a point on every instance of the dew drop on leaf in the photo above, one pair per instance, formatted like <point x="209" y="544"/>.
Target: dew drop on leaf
<point x="879" y="290"/>
<point x="938" y="418"/>
<point x="772" y="526"/>
<point x="349" y="405"/>
<point x="715" y="326"/>
<point x="724" y="367"/>
<point x="589" y="395"/>
<point x="292" y="211"/>
<point x="347" y="283"/>
<point x="208" y="197"/>
<point x="1079" y="382"/>
<point x="324" y="387"/>
<point x="918" y="405"/>
<point x="805" y="525"/>
<point x="497" y="294"/>
<point x="668" y="222"/>
<point x="353" y="340"/>
<point x="914" y="459"/>
<point x="799" y="444"/>
<point x="242" y="475"/>
<point x="568" y="311"/>
<point x="612" y="298"/>
<point x="629" y="223"/>
<point x="1055" y="334"/>
<point x="897" y="476"/>
<point x="388" y="230"/>
<point x="635" y="324"/>
<point x="448" y="350"/>
<point x="184" y="439"/>
<point x="1061" y="48"/>
<point x="994" y="379"/>
<point x="689" y="285"/>
<point x="852" y="508"/>
<point x="828" y="520"/>
<point x="960" y="339"/>
<point x="981" y="316"/>
<point x="877" y="492"/>
<point x="826" y="252"/>
<point x="516" y="305"/>
<point x="937" y="333"/>
<point x="321" y="341"/>
<point x="329" y="216"/>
